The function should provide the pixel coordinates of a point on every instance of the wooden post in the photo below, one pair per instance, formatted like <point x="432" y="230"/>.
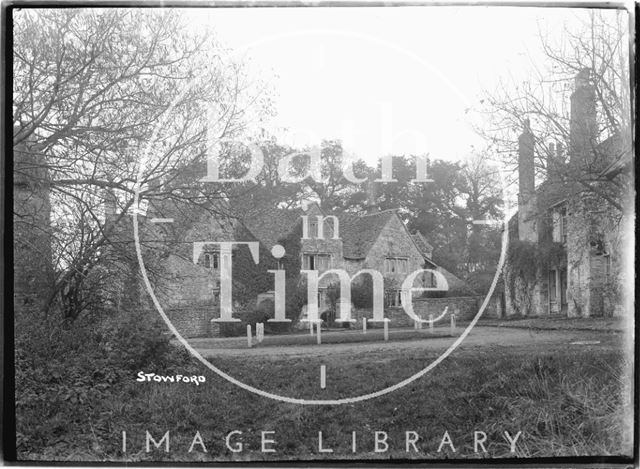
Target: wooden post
<point x="260" y="331"/>
<point x="249" y="335"/>
<point x="364" y="325"/>
<point x="431" y="323"/>
<point x="386" y="329"/>
<point x="319" y="323"/>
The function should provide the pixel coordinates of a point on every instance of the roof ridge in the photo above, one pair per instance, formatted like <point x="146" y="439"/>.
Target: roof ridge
<point x="389" y="210"/>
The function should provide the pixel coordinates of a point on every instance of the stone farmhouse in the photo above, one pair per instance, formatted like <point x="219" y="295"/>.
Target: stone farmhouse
<point x="566" y="241"/>
<point x="189" y="288"/>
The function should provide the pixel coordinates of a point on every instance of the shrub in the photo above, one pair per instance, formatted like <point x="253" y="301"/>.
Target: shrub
<point x="362" y="293"/>
<point x="136" y="340"/>
<point x="63" y="370"/>
<point x="296" y="298"/>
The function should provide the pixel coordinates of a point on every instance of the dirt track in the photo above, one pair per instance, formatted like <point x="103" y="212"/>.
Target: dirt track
<point x="480" y="338"/>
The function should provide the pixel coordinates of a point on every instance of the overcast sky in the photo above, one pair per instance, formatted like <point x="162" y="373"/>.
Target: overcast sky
<point x="385" y="80"/>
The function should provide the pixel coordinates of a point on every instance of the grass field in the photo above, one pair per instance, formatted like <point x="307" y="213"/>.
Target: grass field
<point x="565" y="402"/>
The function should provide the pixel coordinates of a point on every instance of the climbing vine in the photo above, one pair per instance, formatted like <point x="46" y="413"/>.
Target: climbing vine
<point x="527" y="260"/>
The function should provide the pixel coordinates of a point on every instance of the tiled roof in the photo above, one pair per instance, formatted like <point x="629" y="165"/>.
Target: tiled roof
<point x="268" y="224"/>
<point x="453" y="282"/>
<point x="358" y="233"/>
<point x="422" y="243"/>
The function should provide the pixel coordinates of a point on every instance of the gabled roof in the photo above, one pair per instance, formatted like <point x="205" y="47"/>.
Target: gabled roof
<point x="422" y="244"/>
<point x="359" y="233"/>
<point x="269" y="224"/>
<point x="454" y="283"/>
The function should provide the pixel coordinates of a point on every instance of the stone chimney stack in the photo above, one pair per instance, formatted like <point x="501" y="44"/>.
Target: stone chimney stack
<point x="583" y="126"/>
<point x="526" y="171"/>
<point x="527" y="208"/>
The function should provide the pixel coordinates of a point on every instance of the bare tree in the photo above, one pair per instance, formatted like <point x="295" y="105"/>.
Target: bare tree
<point x="91" y="87"/>
<point x="598" y="52"/>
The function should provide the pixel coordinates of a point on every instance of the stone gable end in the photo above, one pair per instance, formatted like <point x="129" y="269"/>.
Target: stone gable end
<point x="394" y="241"/>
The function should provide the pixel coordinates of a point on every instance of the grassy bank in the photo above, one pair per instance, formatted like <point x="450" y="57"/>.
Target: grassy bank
<point x="565" y="404"/>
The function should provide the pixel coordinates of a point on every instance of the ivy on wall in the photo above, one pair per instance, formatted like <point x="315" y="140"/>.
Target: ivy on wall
<point x="527" y="262"/>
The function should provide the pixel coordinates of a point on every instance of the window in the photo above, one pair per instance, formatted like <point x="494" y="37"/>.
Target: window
<point x="394" y="298"/>
<point x="552" y="286"/>
<point x="559" y="225"/>
<point x="396" y="265"/>
<point x="210" y="261"/>
<point x="313" y="228"/>
<point x="316" y="261"/>
<point x="316" y="225"/>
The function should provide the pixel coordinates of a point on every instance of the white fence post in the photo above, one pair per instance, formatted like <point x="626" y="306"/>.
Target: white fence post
<point x="453" y="323"/>
<point x="386" y="329"/>
<point x="249" y="335"/>
<point x="260" y="331"/>
<point x="319" y="323"/>
<point x="431" y="323"/>
<point x="364" y="325"/>
<point x="310" y="327"/>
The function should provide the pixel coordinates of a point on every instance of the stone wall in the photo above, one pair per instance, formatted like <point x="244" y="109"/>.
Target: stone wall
<point x="465" y="307"/>
<point x="192" y="321"/>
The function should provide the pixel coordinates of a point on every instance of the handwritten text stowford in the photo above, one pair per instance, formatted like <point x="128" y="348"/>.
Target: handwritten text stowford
<point x="147" y="377"/>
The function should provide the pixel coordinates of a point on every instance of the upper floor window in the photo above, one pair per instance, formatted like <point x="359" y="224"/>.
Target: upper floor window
<point x="560" y="225"/>
<point x="320" y="227"/>
<point x="313" y="228"/>
<point x="316" y="261"/>
<point x="396" y="265"/>
<point x="211" y="260"/>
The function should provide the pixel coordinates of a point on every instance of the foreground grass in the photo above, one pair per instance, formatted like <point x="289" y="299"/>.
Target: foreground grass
<point x="565" y="404"/>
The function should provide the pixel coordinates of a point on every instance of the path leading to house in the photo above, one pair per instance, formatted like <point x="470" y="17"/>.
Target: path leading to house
<point x="481" y="339"/>
<point x="562" y="323"/>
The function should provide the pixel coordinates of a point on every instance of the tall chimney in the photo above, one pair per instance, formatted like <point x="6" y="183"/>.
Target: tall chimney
<point x="526" y="172"/>
<point x="583" y="126"/>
